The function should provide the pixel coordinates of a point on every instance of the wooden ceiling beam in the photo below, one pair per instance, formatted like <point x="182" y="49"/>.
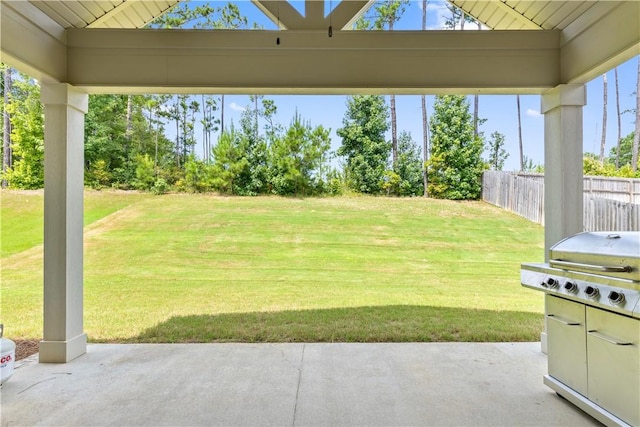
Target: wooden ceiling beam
<point x="598" y="41"/>
<point x="311" y="62"/>
<point x="346" y="13"/>
<point x="285" y="16"/>
<point x="32" y="42"/>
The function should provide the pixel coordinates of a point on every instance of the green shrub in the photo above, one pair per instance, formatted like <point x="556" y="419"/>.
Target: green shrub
<point x="160" y="187"/>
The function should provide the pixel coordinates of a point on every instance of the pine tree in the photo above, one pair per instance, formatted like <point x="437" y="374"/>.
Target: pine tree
<point x="409" y="167"/>
<point x="27" y="135"/>
<point x="497" y="153"/>
<point x="455" y="165"/>
<point x="363" y="142"/>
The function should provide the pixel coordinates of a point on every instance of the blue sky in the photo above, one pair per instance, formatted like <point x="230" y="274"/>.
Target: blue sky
<point x="498" y="110"/>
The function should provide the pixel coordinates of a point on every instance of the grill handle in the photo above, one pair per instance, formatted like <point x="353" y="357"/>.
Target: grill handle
<point x="564" y="322"/>
<point x="603" y="337"/>
<point x="590" y="267"/>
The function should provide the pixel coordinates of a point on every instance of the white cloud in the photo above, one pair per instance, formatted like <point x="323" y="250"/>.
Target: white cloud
<point x="441" y="12"/>
<point x="236" y="107"/>
<point x="430" y="5"/>
<point x="533" y="113"/>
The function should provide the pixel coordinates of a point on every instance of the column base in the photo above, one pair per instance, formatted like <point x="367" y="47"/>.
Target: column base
<point x="62" y="351"/>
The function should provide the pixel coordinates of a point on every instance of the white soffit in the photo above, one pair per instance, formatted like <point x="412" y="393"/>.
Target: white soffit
<point x="536" y="14"/>
<point x="104" y="14"/>
<point x="495" y="14"/>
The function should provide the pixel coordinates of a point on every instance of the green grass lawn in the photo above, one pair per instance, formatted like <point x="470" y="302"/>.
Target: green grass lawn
<point x="22" y="221"/>
<point x="199" y="268"/>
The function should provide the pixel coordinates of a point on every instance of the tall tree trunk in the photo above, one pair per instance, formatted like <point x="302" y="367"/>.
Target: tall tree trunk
<point x="476" y="101"/>
<point x="209" y="129"/>
<point x="152" y="120"/>
<point x="204" y="129"/>
<point x="221" y="114"/>
<point x="619" y="119"/>
<point x="425" y="145"/>
<point x="128" y="130"/>
<point x="603" y="141"/>
<point x="6" y="135"/>
<point x="424" y="15"/>
<point x="520" y="134"/>
<point x="177" y="117"/>
<point x="394" y="121"/>
<point x="425" y="122"/>
<point x="207" y="126"/>
<point x="475" y="115"/>
<point x="192" y="133"/>
<point x="155" y="158"/>
<point x="636" y="137"/>
<point x="185" y="134"/>
<point x="255" y="106"/>
<point x="394" y="132"/>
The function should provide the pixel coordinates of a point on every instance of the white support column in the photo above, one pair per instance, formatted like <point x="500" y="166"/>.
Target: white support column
<point x="64" y="337"/>
<point x="563" y="200"/>
<point x="562" y="109"/>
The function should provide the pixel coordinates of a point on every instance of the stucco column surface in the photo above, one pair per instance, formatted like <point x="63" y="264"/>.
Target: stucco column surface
<point x="563" y="183"/>
<point x="64" y="337"/>
<point x="563" y="211"/>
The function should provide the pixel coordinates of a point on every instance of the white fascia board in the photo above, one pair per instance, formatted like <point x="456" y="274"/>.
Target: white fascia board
<point x="32" y="42"/>
<point x="600" y="40"/>
<point x="311" y="62"/>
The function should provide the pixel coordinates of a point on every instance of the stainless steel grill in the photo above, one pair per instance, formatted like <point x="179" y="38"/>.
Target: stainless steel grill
<point x="597" y="269"/>
<point x="592" y="304"/>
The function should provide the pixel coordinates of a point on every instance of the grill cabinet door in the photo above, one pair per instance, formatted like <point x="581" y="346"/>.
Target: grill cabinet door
<point x="566" y="340"/>
<point x="614" y="363"/>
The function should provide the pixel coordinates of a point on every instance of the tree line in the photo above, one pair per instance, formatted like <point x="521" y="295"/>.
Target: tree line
<point x="127" y="146"/>
<point x="128" y="143"/>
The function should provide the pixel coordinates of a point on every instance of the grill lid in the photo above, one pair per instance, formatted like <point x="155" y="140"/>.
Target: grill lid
<point x="613" y="254"/>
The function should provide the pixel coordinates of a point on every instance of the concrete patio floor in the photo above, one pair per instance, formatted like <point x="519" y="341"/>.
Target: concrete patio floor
<point x="406" y="384"/>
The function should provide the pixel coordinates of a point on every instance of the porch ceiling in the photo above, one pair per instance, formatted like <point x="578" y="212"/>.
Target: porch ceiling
<point x="497" y="15"/>
<point x="104" y="14"/>
<point x="562" y="42"/>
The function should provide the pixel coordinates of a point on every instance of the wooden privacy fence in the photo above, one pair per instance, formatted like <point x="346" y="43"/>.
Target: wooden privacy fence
<point x="523" y="194"/>
<point x="622" y="189"/>
<point x="518" y="194"/>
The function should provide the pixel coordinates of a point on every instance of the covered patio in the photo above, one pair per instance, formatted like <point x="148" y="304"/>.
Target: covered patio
<point x="75" y="48"/>
<point x="387" y="384"/>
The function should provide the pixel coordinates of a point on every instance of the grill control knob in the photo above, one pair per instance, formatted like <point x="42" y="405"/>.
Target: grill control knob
<point x="592" y="292"/>
<point x="616" y="297"/>
<point x="571" y="287"/>
<point x="552" y="283"/>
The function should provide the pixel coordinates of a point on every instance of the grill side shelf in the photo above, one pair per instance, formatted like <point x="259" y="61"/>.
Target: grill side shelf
<point x="591" y="268"/>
